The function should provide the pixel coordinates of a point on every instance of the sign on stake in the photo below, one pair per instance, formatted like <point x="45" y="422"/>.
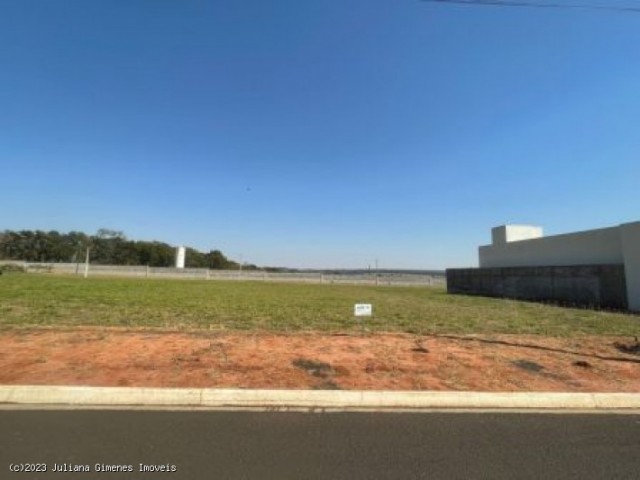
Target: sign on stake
<point x="361" y="310"/>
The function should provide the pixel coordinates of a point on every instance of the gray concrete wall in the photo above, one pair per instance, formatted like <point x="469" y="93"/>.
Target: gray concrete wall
<point x="593" y="247"/>
<point x="584" y="285"/>
<point x="630" y="239"/>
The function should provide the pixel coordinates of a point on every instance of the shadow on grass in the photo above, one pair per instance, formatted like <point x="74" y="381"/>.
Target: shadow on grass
<point x="536" y="347"/>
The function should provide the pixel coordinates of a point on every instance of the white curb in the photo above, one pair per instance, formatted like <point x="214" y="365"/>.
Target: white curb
<point x="310" y="399"/>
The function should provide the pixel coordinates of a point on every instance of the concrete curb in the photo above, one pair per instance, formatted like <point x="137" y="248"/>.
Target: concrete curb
<point x="310" y="399"/>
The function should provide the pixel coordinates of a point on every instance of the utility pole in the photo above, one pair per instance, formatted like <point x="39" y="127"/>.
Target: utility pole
<point x="376" y="272"/>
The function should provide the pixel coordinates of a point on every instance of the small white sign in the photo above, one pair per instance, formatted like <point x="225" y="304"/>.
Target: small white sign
<point x="362" y="310"/>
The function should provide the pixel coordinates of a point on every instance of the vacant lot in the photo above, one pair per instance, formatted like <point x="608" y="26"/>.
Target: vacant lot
<point x="48" y="300"/>
<point x="107" y="356"/>
<point x="183" y="333"/>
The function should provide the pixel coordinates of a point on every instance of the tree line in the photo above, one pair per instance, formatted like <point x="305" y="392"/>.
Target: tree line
<point x="106" y="247"/>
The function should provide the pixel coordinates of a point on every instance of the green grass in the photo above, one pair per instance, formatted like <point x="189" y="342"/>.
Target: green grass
<point x="47" y="300"/>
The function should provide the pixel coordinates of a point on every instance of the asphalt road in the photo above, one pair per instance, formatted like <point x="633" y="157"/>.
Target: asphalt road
<point x="230" y="445"/>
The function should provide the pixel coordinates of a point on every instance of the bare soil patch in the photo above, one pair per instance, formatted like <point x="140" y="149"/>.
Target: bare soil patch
<point x="151" y="358"/>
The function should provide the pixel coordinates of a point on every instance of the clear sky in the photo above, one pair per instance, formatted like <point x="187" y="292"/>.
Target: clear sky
<point x="317" y="134"/>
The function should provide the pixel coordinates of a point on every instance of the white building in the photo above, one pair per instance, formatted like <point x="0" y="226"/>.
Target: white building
<point x="525" y="246"/>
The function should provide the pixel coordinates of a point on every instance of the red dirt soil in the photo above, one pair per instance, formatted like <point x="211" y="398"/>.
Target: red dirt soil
<point x="113" y="357"/>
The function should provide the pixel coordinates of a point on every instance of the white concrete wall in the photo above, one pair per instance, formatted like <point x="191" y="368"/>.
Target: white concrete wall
<point x="593" y="247"/>
<point x="630" y="239"/>
<point x="514" y="233"/>
<point x="355" y="278"/>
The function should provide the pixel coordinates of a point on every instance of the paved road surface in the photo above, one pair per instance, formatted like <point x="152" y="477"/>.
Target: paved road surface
<point x="253" y="445"/>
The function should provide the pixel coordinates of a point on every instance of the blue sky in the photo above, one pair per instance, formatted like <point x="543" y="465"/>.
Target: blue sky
<point x="317" y="134"/>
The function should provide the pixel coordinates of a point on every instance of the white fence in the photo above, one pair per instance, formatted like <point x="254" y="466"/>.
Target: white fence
<point x="356" y="278"/>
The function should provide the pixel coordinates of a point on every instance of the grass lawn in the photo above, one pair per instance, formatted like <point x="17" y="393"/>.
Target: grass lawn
<point x="47" y="300"/>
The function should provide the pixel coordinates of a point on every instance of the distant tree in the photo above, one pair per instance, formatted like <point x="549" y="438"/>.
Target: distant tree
<point x="154" y="254"/>
<point x="108" y="233"/>
<point x="108" y="247"/>
<point x="195" y="259"/>
<point x="217" y="261"/>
